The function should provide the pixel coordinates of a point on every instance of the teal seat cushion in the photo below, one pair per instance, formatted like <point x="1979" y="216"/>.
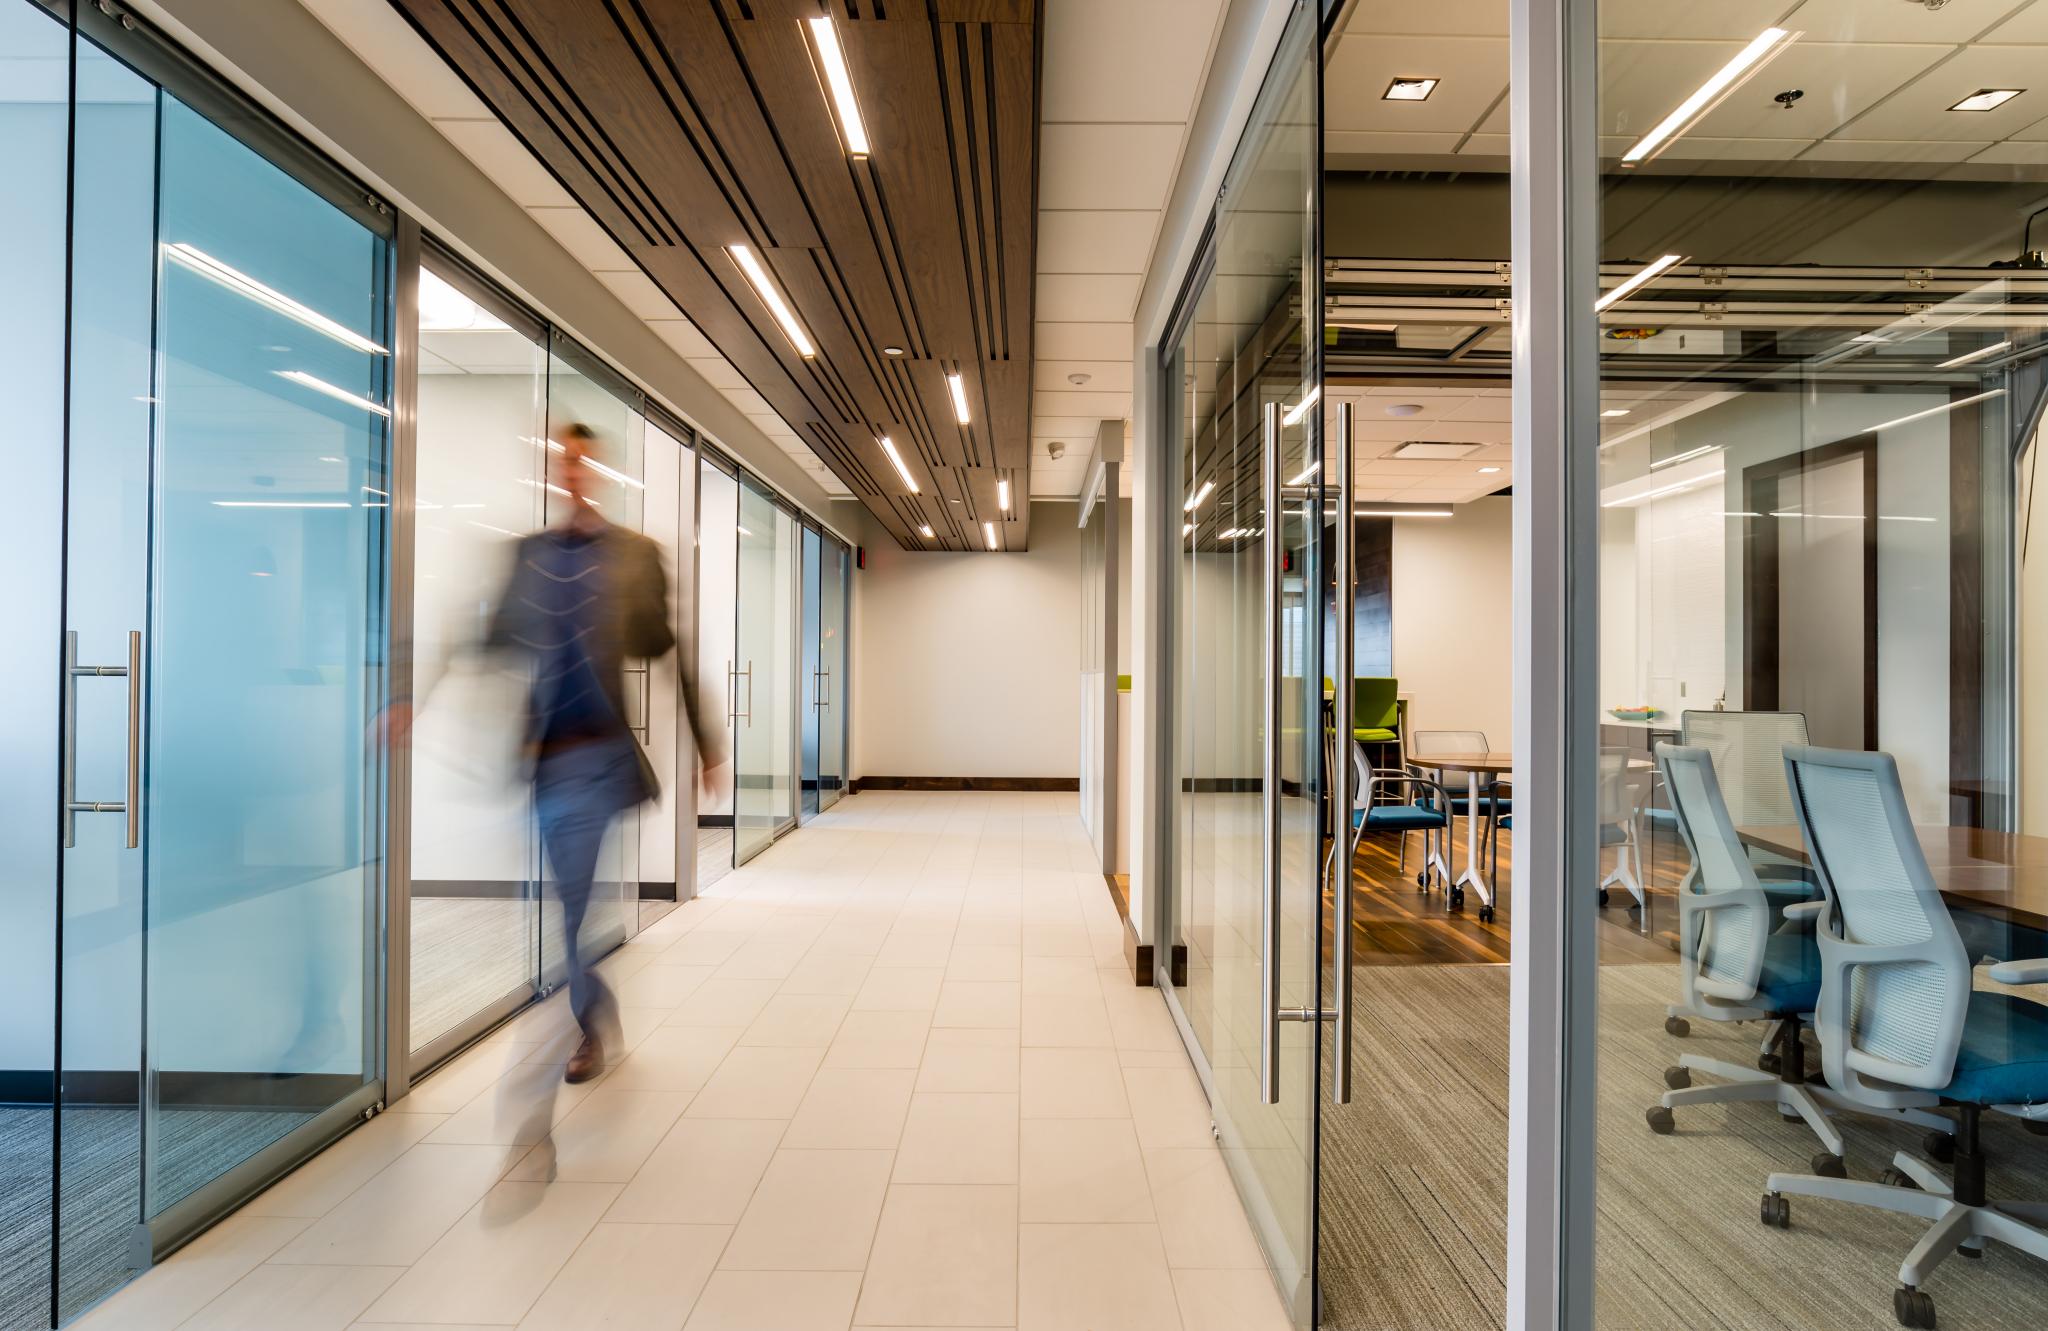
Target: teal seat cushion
<point x="1374" y="735"/>
<point x="1398" y="818"/>
<point x="2004" y="1055"/>
<point x="1790" y="980"/>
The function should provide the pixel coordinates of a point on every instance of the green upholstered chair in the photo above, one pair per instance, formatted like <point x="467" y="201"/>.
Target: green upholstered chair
<point x="1375" y="710"/>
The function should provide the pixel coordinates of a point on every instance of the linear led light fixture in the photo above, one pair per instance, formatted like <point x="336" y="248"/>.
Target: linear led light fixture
<point x="1686" y="456"/>
<point x="839" y="82"/>
<point x="1208" y="488"/>
<point x="896" y="459"/>
<point x="1709" y="94"/>
<point x="1693" y="483"/>
<point x="1979" y="354"/>
<point x="1187" y="529"/>
<point x="1003" y="495"/>
<point x="1987" y="99"/>
<point x="1612" y="412"/>
<point x="1936" y="411"/>
<point x="304" y="380"/>
<point x="958" y="387"/>
<point x="213" y="270"/>
<point x="988" y="534"/>
<point x="757" y="277"/>
<point x="1403" y="511"/>
<point x="1300" y="409"/>
<point x="927" y="532"/>
<point x="1650" y="272"/>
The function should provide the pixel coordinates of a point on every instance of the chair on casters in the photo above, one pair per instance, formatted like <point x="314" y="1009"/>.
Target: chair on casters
<point x="1748" y="749"/>
<point x="1420" y="747"/>
<point x="1622" y="795"/>
<point x="1368" y="814"/>
<point x="1900" y="1024"/>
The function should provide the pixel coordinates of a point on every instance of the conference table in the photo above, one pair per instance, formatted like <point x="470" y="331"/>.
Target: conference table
<point x="1998" y="877"/>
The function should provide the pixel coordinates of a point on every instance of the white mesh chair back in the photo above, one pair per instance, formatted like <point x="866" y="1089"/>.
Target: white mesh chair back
<point x="1426" y="744"/>
<point x="1725" y="916"/>
<point x="1621" y="789"/>
<point x="1895" y="977"/>
<point x="1748" y="749"/>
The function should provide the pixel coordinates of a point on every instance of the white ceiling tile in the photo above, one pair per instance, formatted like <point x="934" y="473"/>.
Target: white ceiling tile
<point x="388" y="45"/>
<point x="1064" y="427"/>
<point x="1882" y="150"/>
<point x="1643" y="82"/>
<point x="683" y="335"/>
<point x="718" y="372"/>
<point x="1440" y="18"/>
<point x="1734" y="20"/>
<point x="503" y="158"/>
<point x="1102" y="406"/>
<point x="1106" y="166"/>
<point x="1092" y="50"/>
<point x="1485" y="145"/>
<point x="639" y="292"/>
<point x="1082" y="341"/>
<point x="1104" y="376"/>
<point x="1100" y="299"/>
<point x="1920" y="111"/>
<point x="1839" y="83"/>
<point x="1340" y="144"/>
<point x="1473" y="70"/>
<point x="1493" y="409"/>
<point x="1690" y="148"/>
<point x="1893" y="21"/>
<point x="2014" y="153"/>
<point x="749" y="402"/>
<point x="1095" y="242"/>
<point x="582" y="237"/>
<point x="2030" y="24"/>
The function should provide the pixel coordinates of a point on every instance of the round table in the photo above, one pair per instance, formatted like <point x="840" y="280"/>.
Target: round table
<point x="1474" y="766"/>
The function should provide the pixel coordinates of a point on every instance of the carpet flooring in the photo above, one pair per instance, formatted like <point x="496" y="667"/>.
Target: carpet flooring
<point x="1414" y="1183"/>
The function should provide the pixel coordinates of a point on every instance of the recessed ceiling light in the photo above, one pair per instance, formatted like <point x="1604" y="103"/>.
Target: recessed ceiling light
<point x="988" y="534"/>
<point x="757" y="276"/>
<point x="1003" y="495"/>
<point x="889" y="447"/>
<point x="892" y="351"/>
<point x="839" y="82"/>
<point x="1409" y="90"/>
<point x="1488" y="471"/>
<point x="958" y="387"/>
<point x="926" y="531"/>
<point x="1648" y="273"/>
<point x="1709" y="94"/>
<point x="1615" y="411"/>
<point x="1987" y="99"/>
<point x="1979" y="354"/>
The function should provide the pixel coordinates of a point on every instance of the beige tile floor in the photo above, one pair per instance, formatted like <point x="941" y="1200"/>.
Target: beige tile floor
<point x="893" y="1073"/>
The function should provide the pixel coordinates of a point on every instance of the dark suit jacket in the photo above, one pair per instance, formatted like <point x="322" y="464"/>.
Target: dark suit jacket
<point x="634" y="623"/>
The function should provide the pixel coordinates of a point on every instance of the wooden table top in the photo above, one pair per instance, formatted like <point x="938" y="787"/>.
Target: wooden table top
<point x="1466" y="762"/>
<point x="1999" y="874"/>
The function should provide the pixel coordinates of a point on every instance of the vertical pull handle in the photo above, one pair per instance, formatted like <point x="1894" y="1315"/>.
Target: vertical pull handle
<point x="134" y="738"/>
<point x="749" y="713"/>
<point x="1342" y="790"/>
<point x="732" y="696"/>
<point x="1269" y="787"/>
<point x="824" y="685"/>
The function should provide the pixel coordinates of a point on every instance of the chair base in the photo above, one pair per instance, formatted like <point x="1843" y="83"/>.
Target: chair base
<point x="1952" y="1224"/>
<point x="1742" y="1085"/>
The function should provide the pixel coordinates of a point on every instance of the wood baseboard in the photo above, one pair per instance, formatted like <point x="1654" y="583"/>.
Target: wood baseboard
<point x="943" y="784"/>
<point x="1138" y="956"/>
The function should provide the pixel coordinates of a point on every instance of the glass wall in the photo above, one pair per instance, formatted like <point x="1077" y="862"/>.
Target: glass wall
<point x="765" y="684"/>
<point x="1245" y="901"/>
<point x="811" y="679"/>
<point x="835" y="684"/>
<point x="1817" y="387"/>
<point x="476" y="923"/>
<point x="718" y="681"/>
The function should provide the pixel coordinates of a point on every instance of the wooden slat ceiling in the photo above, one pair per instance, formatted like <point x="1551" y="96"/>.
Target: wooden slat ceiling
<point x="686" y="126"/>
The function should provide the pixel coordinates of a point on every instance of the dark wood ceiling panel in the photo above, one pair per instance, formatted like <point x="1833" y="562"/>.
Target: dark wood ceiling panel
<point x="686" y="126"/>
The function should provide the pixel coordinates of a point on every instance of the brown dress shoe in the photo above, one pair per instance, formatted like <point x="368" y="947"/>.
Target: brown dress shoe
<point x="586" y="1062"/>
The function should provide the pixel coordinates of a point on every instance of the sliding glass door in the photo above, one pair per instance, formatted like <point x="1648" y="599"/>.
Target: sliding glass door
<point x="1244" y="378"/>
<point x="812" y="679"/>
<point x="835" y="586"/>
<point x="719" y="682"/>
<point x="199" y="365"/>
<point x="765" y="678"/>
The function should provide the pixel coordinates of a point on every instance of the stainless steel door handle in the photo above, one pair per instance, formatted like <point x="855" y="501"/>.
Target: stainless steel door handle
<point x="748" y="715"/>
<point x="1269" y="788"/>
<point x="1342" y="792"/>
<point x="70" y="805"/>
<point x="824" y="681"/>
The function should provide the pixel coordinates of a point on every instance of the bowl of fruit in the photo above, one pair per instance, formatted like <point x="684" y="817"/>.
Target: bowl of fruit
<point x="1644" y="713"/>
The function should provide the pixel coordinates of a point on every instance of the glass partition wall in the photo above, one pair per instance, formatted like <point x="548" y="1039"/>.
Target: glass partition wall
<point x="1245" y="891"/>
<point x="826" y="568"/>
<point x="1811" y="436"/>
<point x="765" y="674"/>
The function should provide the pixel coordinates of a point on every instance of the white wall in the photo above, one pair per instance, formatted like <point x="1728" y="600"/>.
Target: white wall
<point x="1452" y="621"/>
<point x="966" y="661"/>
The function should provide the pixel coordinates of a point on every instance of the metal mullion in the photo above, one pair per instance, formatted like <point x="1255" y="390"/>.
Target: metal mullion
<point x="396" y="1054"/>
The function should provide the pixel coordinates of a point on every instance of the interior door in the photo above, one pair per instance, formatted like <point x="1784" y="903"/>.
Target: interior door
<point x="812" y="674"/>
<point x="1246" y="901"/>
<point x="765" y="684"/>
<point x="833" y="592"/>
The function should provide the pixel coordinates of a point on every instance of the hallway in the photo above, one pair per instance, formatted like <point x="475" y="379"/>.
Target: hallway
<point x="892" y="1073"/>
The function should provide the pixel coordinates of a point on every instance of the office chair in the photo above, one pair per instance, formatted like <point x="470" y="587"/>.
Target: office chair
<point x="1622" y="794"/>
<point x="1900" y="1024"/>
<point x="1420" y="747"/>
<point x="1748" y="752"/>
<point x="1430" y="813"/>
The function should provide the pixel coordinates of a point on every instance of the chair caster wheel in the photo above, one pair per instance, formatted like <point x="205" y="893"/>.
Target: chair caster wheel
<point x="1422" y="881"/>
<point x="1777" y="1211"/>
<point x="1913" y="1308"/>
<point x="1603" y="896"/>
<point x="2037" y="1126"/>
<point x="1677" y="1026"/>
<point x="1828" y="1165"/>
<point x="1970" y="1254"/>
<point x="1660" y="1120"/>
<point x="1893" y="1178"/>
<point x="1770" y="1063"/>
<point x="1456" y="898"/>
<point x="1678" y="1078"/>
<point x="1486" y="914"/>
<point x="1941" y="1146"/>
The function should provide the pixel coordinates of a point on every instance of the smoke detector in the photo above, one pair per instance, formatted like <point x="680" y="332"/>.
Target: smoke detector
<point x="1078" y="378"/>
<point x="1055" y="450"/>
